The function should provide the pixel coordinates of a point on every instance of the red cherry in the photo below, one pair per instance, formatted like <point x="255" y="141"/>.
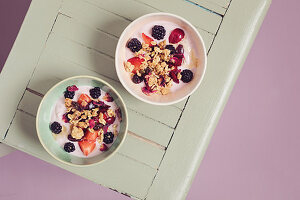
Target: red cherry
<point x="176" y="36"/>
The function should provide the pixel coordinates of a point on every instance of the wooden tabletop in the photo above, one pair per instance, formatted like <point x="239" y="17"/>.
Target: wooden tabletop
<point x="165" y="145"/>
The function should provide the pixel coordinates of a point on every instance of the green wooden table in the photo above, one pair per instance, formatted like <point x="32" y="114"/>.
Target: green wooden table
<point x="165" y="145"/>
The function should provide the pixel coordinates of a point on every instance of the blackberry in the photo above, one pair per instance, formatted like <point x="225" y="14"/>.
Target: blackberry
<point x="69" y="147"/>
<point x="134" y="45"/>
<point x="108" y="138"/>
<point x="137" y="79"/>
<point x="55" y="127"/>
<point x="69" y="94"/>
<point x="171" y="48"/>
<point x="186" y="75"/>
<point x="95" y="92"/>
<point x="158" y="32"/>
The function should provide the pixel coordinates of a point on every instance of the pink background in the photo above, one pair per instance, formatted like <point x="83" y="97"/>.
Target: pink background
<point x="255" y="151"/>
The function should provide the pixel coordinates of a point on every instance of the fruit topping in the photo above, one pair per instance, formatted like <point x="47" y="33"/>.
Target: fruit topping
<point x="95" y="92"/>
<point x="146" y="91"/>
<point x="69" y="94"/>
<point x="103" y="147"/>
<point x="174" y="75"/>
<point x="176" y="36"/>
<point x="69" y="147"/>
<point x="171" y="48"/>
<point x="108" y="98"/>
<point x="108" y="138"/>
<point x="91" y="136"/>
<point x="91" y="123"/>
<point x="55" y="127"/>
<point x="136" y="62"/>
<point x="136" y="79"/>
<point x="134" y="45"/>
<point x="158" y="32"/>
<point x="147" y="39"/>
<point x="87" y="146"/>
<point x="176" y="61"/>
<point x="72" y="88"/>
<point x="179" y="49"/>
<point x="84" y="100"/>
<point x="186" y="75"/>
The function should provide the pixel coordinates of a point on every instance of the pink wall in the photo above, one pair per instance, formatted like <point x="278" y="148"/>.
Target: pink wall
<point x="255" y="151"/>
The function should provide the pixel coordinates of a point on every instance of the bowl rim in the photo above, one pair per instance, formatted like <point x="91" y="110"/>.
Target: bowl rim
<point x="76" y="77"/>
<point x="119" y="46"/>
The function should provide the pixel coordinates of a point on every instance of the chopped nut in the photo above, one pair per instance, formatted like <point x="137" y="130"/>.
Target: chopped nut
<point x="111" y="113"/>
<point x="68" y="102"/>
<point x="115" y="131"/>
<point x="162" y="44"/>
<point x="77" y="133"/>
<point x="129" y="67"/>
<point x="83" y="124"/>
<point x="153" y="43"/>
<point x="165" y="91"/>
<point x="101" y="119"/>
<point x="179" y="76"/>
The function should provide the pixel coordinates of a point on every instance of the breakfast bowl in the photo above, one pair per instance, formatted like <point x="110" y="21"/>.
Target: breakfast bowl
<point x="160" y="58"/>
<point x="82" y="121"/>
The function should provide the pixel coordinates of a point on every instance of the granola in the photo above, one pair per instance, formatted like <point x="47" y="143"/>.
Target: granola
<point x="89" y="116"/>
<point x="156" y="63"/>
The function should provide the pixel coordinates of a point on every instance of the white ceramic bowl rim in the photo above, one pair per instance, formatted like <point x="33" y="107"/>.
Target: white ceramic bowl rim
<point x="119" y="46"/>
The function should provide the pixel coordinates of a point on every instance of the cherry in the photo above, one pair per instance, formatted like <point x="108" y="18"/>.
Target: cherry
<point x="176" y="36"/>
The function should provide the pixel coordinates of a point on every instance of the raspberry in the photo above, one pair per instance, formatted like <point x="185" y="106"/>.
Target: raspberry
<point x="137" y="79"/>
<point x="55" y="127"/>
<point x="171" y="48"/>
<point x="186" y="75"/>
<point x="95" y="92"/>
<point x="108" y="138"/>
<point x="158" y="32"/>
<point x="69" y="147"/>
<point x="69" y="94"/>
<point x="134" y="45"/>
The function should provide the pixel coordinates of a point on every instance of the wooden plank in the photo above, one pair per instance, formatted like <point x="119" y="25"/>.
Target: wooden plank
<point x="96" y="18"/>
<point x="136" y="9"/>
<point x="206" y="4"/>
<point x="205" y="20"/>
<point x="125" y="175"/>
<point x="98" y="40"/>
<point x="45" y="77"/>
<point x="133" y="147"/>
<point x="238" y="30"/>
<point x="223" y="3"/>
<point x="23" y="61"/>
<point x="92" y="61"/>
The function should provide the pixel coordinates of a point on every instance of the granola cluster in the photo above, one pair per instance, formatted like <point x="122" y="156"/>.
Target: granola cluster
<point x="92" y="119"/>
<point x="155" y="67"/>
<point x="157" y="63"/>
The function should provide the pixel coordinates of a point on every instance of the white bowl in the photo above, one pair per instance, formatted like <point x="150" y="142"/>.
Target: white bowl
<point x="198" y="47"/>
